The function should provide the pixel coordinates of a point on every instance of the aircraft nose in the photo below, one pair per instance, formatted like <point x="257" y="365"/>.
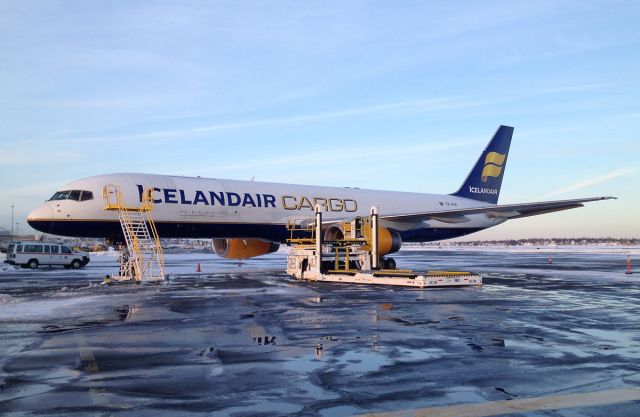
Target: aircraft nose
<point x="41" y="218"/>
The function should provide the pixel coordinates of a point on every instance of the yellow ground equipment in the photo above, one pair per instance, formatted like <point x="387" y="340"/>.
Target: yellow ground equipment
<point x="143" y="259"/>
<point x="354" y="258"/>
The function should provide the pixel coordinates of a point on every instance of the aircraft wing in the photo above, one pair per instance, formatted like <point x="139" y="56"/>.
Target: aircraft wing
<point x="504" y="211"/>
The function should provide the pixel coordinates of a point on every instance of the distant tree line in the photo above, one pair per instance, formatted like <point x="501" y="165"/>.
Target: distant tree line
<point x="561" y="241"/>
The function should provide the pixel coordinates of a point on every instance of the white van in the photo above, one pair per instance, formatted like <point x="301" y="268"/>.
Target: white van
<point x="31" y="254"/>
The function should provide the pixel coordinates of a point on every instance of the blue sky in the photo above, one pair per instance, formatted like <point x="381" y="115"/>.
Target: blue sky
<point x="407" y="92"/>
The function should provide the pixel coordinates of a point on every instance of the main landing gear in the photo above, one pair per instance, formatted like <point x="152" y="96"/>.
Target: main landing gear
<point x="388" y="263"/>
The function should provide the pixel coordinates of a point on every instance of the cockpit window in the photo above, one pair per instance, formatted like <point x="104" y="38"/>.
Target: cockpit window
<point x="76" y="195"/>
<point x="86" y="195"/>
<point x="60" y="195"/>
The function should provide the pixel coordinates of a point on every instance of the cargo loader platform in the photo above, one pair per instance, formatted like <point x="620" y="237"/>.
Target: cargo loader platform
<point x="354" y="258"/>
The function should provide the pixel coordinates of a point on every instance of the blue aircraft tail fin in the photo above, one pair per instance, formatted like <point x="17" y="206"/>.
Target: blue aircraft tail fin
<point x="485" y="179"/>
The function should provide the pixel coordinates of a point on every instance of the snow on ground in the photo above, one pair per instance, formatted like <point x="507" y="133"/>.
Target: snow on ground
<point x="27" y="310"/>
<point x="628" y="250"/>
<point x="106" y="263"/>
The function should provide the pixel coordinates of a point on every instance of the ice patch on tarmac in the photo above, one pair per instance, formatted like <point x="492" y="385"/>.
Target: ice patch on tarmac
<point x="17" y="310"/>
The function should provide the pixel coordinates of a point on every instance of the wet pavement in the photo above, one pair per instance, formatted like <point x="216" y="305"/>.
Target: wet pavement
<point x="248" y="340"/>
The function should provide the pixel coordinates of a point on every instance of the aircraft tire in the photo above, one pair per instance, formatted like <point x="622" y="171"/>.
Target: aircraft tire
<point x="390" y="263"/>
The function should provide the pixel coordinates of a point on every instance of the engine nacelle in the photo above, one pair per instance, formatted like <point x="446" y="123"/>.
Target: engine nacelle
<point x="243" y="248"/>
<point x="389" y="241"/>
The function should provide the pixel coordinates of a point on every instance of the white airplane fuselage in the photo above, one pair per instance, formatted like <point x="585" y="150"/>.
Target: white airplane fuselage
<point x="194" y="207"/>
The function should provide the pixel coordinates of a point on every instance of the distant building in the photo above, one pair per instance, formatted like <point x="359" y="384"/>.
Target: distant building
<point x="5" y="238"/>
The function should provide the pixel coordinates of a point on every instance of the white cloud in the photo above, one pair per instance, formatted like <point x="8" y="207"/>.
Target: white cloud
<point x="589" y="182"/>
<point x="332" y="158"/>
<point x="392" y="108"/>
<point x="26" y="158"/>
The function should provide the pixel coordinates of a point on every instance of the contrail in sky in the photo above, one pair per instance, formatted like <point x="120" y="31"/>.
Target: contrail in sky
<point x="620" y="172"/>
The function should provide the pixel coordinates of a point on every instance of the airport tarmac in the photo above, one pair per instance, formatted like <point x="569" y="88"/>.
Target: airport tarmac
<point x="246" y="341"/>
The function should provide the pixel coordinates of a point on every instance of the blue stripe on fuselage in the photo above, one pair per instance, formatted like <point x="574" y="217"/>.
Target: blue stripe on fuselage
<point x="271" y="232"/>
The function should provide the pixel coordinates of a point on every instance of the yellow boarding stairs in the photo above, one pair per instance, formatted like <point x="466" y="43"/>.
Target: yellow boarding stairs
<point x="144" y="259"/>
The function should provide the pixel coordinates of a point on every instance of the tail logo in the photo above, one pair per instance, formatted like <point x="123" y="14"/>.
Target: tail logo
<point x="493" y="165"/>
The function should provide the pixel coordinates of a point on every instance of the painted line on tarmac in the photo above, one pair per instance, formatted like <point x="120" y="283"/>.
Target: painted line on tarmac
<point x="499" y="408"/>
<point x="89" y="365"/>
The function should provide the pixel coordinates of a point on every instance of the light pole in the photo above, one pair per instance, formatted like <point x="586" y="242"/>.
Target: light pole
<point x="18" y="229"/>
<point x="12" y="207"/>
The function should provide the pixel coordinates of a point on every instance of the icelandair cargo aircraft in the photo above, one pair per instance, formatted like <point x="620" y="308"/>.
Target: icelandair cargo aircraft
<point x="247" y="218"/>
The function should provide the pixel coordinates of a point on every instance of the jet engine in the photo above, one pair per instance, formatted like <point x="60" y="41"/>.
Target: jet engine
<point x="389" y="241"/>
<point x="243" y="248"/>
